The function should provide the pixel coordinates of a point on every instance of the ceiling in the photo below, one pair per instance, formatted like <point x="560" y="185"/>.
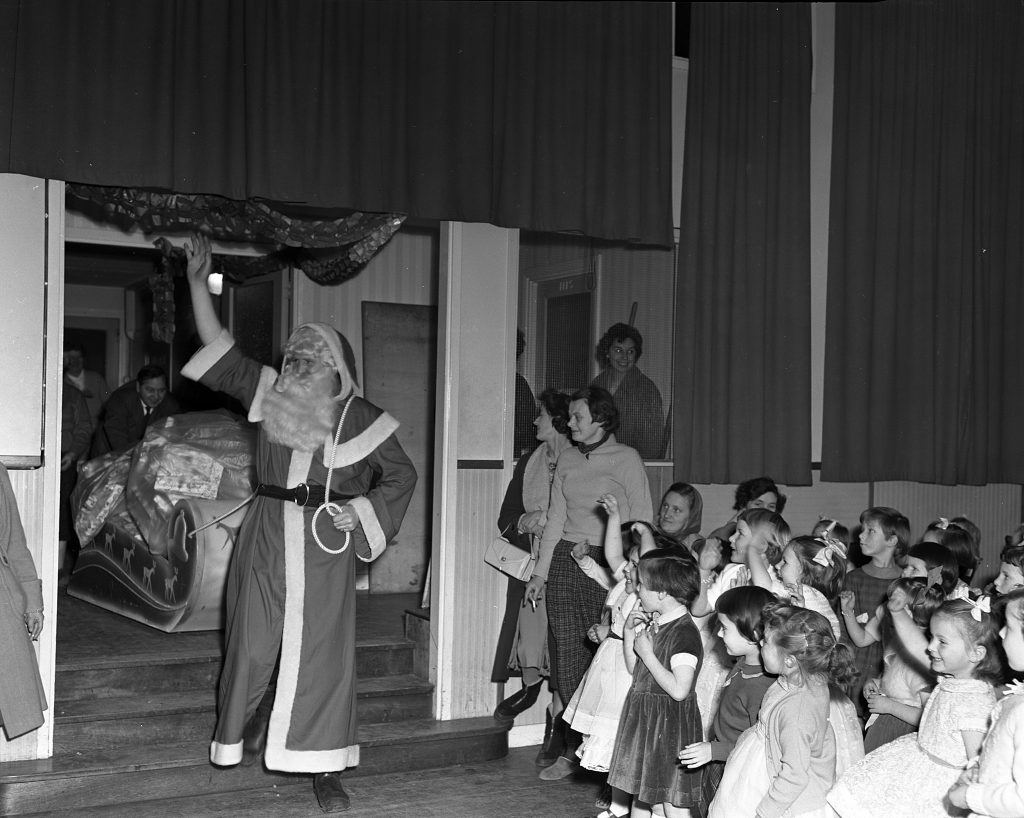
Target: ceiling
<point x="103" y="266"/>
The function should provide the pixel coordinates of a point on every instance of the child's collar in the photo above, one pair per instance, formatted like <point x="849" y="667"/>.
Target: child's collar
<point x="672" y="616"/>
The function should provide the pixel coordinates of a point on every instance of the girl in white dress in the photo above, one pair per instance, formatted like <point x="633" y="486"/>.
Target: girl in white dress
<point x="812" y="570"/>
<point x="596" y="705"/>
<point x="910" y="777"/>
<point x="995" y="787"/>
<point x="785" y="765"/>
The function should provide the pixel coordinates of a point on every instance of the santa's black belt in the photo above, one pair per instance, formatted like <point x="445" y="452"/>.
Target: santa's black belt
<point x="302" y="494"/>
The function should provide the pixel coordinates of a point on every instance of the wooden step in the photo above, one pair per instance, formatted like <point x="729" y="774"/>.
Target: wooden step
<point x="120" y="777"/>
<point x="86" y="725"/>
<point x="126" y="675"/>
<point x="199" y="669"/>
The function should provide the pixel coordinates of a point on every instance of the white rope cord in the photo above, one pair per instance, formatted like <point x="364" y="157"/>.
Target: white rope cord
<point x="332" y="508"/>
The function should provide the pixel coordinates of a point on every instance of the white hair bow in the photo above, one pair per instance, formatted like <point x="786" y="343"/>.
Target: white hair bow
<point x="982" y="605"/>
<point x="830" y="548"/>
<point x="942" y="524"/>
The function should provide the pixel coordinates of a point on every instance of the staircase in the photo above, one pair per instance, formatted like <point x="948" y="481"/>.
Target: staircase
<point x="135" y="708"/>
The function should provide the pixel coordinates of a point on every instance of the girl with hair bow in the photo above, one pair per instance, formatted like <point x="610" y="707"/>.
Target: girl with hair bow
<point x="812" y="571"/>
<point x="911" y="777"/>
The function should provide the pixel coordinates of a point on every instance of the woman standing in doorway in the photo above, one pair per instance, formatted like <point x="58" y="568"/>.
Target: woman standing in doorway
<point x="641" y="415"/>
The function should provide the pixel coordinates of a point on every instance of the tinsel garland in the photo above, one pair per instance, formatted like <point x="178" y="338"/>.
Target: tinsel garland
<point x="342" y="246"/>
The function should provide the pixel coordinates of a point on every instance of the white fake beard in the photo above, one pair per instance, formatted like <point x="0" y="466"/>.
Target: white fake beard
<point x="299" y="418"/>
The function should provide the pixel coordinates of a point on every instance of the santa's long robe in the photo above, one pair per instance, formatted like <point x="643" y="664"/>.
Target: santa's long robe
<point x="285" y="593"/>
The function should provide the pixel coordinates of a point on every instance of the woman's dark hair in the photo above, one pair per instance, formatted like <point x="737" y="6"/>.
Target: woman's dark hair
<point x="618" y="332"/>
<point x="556" y="404"/>
<point x="745" y="608"/>
<point x="752" y="489"/>
<point x="601" y="405"/>
<point x="938" y="556"/>
<point x="673" y="571"/>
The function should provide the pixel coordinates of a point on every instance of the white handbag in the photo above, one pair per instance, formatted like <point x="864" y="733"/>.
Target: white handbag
<point x="510" y="559"/>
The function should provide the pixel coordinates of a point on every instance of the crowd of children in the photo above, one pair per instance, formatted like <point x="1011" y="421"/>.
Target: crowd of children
<point x="880" y="690"/>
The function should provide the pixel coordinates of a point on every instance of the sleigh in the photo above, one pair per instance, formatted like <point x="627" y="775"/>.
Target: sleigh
<point x="159" y="523"/>
<point x="180" y="590"/>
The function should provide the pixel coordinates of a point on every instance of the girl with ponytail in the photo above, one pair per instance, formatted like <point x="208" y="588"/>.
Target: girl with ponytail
<point x="786" y="763"/>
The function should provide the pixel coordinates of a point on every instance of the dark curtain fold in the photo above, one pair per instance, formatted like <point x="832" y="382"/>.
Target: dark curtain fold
<point x="923" y="374"/>
<point x="548" y="116"/>
<point x="742" y="381"/>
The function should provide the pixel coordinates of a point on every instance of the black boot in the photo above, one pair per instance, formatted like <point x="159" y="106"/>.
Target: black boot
<point x="517" y="703"/>
<point x="554" y="741"/>
<point x="254" y="739"/>
<point x="329" y="792"/>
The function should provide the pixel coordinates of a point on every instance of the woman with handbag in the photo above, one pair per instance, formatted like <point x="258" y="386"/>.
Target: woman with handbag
<point x="522" y="642"/>
<point x="596" y="466"/>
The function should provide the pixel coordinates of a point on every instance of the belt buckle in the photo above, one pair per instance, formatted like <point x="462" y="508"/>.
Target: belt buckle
<point x="304" y="495"/>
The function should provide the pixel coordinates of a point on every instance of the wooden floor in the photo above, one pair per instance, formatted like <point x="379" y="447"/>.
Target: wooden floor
<point x="507" y="786"/>
<point x="498" y="789"/>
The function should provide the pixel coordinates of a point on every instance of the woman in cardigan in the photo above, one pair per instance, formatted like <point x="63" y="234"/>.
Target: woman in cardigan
<point x="523" y="640"/>
<point x="22" y="699"/>
<point x="598" y="465"/>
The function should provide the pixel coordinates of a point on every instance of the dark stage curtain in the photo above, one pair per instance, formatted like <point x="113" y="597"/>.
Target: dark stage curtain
<point x="742" y="381"/>
<point x="551" y="116"/>
<point x="923" y="374"/>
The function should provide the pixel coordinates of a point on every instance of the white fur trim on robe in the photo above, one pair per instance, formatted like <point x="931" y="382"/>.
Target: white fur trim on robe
<point x="278" y="756"/>
<point x="200" y="363"/>
<point x="359" y="447"/>
<point x="375" y="538"/>
<point x="225" y="755"/>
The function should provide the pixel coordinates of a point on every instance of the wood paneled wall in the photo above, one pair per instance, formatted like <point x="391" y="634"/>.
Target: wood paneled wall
<point x="995" y="509"/>
<point x="479" y="598"/>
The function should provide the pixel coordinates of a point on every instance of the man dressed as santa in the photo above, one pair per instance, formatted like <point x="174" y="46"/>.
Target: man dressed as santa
<point x="334" y="485"/>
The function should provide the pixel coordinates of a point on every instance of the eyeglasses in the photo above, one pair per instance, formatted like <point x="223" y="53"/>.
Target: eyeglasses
<point x="294" y="365"/>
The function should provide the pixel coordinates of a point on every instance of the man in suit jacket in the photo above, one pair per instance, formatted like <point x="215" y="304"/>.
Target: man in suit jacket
<point x="91" y="384"/>
<point x="133" y="407"/>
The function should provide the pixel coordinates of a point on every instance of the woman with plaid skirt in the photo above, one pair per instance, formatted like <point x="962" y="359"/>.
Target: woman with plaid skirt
<point x="595" y="466"/>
